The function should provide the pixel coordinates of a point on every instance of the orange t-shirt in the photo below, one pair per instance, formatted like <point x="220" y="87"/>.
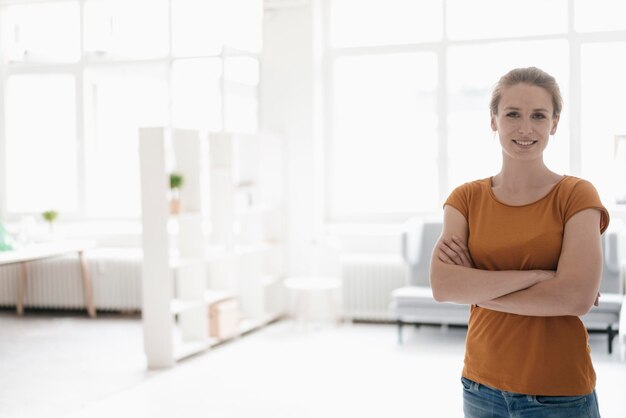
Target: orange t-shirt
<point x="533" y="355"/>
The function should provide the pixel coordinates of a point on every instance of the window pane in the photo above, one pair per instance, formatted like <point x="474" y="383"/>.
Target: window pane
<point x="245" y="28"/>
<point x="473" y="151"/>
<point x="197" y="27"/>
<point x="384" y="148"/>
<point x="48" y="32"/>
<point x="241" y="112"/>
<point x="380" y="22"/>
<point x="603" y="110"/>
<point x="126" y="28"/>
<point x="197" y="95"/>
<point x="118" y="102"/>
<point x="41" y="143"/>
<point x="243" y="70"/>
<point x="496" y="18"/>
<point x="201" y="27"/>
<point x="599" y="15"/>
<point x="241" y="75"/>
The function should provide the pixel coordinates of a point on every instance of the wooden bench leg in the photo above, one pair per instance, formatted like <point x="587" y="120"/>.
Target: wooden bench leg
<point x="91" y="310"/>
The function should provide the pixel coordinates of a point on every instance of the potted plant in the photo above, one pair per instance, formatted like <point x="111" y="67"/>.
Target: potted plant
<point x="5" y="239"/>
<point x="176" y="183"/>
<point x="50" y="216"/>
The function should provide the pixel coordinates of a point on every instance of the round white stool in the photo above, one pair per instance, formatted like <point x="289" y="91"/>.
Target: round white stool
<point x="304" y="287"/>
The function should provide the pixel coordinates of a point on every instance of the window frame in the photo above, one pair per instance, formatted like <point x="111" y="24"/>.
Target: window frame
<point x="575" y="40"/>
<point x="78" y="70"/>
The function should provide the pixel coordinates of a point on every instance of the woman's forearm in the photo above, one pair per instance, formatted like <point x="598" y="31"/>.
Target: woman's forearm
<point x="571" y="290"/>
<point x="574" y="288"/>
<point x="552" y="298"/>
<point x="465" y="285"/>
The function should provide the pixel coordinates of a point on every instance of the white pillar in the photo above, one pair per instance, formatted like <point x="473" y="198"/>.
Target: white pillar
<point x="290" y="105"/>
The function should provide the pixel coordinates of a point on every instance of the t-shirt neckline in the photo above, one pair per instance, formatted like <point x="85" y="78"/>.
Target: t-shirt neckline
<point x="495" y="199"/>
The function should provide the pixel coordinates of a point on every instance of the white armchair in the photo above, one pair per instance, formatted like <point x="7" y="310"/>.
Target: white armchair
<point x="414" y="303"/>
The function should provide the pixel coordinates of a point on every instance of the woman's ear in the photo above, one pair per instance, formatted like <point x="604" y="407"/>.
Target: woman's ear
<point x="494" y="125"/>
<point x="555" y="123"/>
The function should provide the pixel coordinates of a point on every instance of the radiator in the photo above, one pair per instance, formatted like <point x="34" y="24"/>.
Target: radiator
<point x="368" y="280"/>
<point x="56" y="282"/>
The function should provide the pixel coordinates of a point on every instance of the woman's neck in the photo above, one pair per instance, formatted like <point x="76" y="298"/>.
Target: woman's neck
<point x="520" y="175"/>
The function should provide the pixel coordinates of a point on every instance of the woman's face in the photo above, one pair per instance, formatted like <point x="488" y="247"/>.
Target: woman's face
<point x="524" y="121"/>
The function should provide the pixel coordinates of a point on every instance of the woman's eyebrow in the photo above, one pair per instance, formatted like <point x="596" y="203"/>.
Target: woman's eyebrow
<point x="540" y="109"/>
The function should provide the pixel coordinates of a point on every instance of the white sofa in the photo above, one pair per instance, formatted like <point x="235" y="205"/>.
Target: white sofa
<point x="414" y="304"/>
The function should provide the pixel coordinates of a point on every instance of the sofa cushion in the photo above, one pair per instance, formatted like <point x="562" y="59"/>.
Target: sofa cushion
<point x="609" y="302"/>
<point x="607" y="312"/>
<point x="416" y="304"/>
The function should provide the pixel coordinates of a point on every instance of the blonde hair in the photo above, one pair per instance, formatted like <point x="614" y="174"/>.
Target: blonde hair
<point x="532" y="76"/>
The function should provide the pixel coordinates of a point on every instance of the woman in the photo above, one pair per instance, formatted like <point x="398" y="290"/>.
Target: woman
<point x="523" y="248"/>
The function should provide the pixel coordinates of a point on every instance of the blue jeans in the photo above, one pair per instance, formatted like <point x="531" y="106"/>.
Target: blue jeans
<point x="480" y="401"/>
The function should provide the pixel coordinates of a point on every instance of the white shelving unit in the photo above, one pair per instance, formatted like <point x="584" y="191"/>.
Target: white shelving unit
<point x="247" y="219"/>
<point x="175" y="315"/>
<point x="186" y="271"/>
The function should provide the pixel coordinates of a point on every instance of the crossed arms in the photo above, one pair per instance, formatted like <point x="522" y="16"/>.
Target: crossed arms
<point x="570" y="290"/>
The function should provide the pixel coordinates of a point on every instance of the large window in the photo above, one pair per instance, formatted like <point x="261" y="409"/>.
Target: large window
<point x="40" y="32"/>
<point x="385" y="117"/>
<point x="473" y="149"/>
<point x="79" y="77"/>
<point x="357" y="23"/>
<point x="409" y="88"/>
<point x="41" y="142"/>
<point x="603" y="127"/>
<point x="118" y="101"/>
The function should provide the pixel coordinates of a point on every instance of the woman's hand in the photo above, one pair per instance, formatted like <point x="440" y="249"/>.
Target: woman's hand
<point x="454" y="251"/>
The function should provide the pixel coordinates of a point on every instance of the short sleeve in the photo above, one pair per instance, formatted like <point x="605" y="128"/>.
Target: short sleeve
<point x="585" y="196"/>
<point x="459" y="199"/>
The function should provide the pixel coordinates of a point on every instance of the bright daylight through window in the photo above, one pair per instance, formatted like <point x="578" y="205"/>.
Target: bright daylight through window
<point x="81" y="108"/>
<point x="409" y="116"/>
<point x="407" y="89"/>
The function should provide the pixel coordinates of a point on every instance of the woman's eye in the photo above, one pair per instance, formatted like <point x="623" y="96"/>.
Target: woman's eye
<point x="539" y="116"/>
<point x="512" y="114"/>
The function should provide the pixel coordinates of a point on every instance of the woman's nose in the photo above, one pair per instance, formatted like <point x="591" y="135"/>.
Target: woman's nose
<point x="525" y="127"/>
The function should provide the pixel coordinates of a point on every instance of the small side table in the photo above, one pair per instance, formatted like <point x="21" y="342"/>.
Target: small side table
<point x="304" y="287"/>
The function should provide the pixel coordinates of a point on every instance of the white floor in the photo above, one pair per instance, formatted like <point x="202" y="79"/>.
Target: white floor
<point x="71" y="366"/>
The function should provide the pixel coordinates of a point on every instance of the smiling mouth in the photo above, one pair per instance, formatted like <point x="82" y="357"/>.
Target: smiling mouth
<point x="525" y="143"/>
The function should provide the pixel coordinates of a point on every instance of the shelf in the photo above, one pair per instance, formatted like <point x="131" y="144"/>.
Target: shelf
<point x="177" y="305"/>
<point x="183" y="349"/>
<point x="214" y="296"/>
<point x="217" y="253"/>
<point x="250" y="249"/>
<point x="186" y="214"/>
<point x="173" y="244"/>
<point x="246" y="326"/>
<point x="270" y="280"/>
<point x="250" y="324"/>
<point x="179" y="262"/>
<point x="255" y="209"/>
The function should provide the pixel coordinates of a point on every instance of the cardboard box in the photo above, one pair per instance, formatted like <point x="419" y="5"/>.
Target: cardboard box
<point x="224" y="319"/>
